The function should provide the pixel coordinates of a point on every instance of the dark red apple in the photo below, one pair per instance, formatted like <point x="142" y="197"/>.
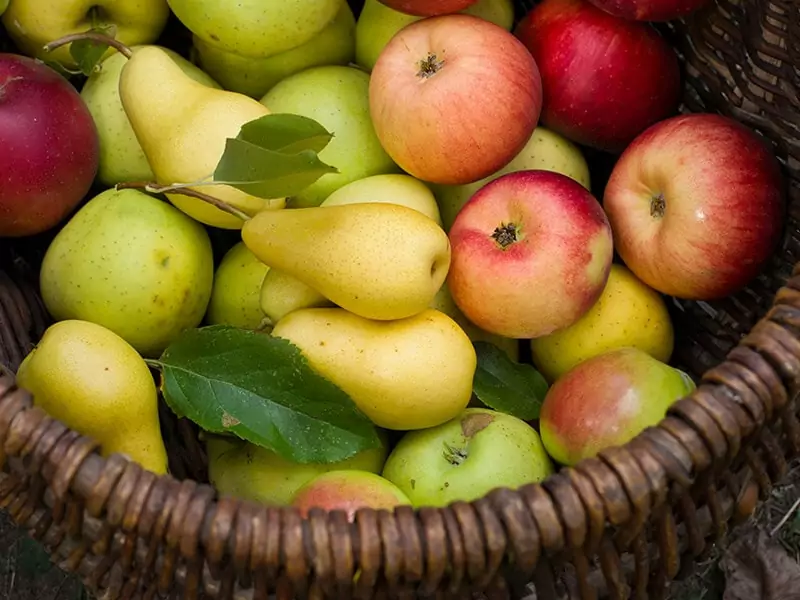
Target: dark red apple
<point x="605" y="79"/>
<point x="650" y="10"/>
<point x="48" y="147"/>
<point x="428" y="8"/>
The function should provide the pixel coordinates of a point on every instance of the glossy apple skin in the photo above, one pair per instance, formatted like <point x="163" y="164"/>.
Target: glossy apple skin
<point x="49" y="147"/>
<point x="605" y="79"/>
<point x="723" y="206"/>
<point x="428" y="8"/>
<point x="650" y="10"/>
<point x="550" y="277"/>
<point x="468" y="119"/>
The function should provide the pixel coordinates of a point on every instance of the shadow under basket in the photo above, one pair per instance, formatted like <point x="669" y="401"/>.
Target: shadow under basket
<point x="620" y="525"/>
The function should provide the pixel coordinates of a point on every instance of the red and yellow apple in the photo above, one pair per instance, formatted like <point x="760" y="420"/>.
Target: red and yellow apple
<point x="607" y="401"/>
<point x="454" y="98"/>
<point x="428" y="8"/>
<point x="650" y="10"/>
<point x="696" y="204"/>
<point x="605" y="79"/>
<point x="531" y="253"/>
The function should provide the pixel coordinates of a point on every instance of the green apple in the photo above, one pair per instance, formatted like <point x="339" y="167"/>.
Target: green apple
<point x="254" y="77"/>
<point x="546" y="150"/>
<point x="236" y="295"/>
<point x="31" y="25"/>
<point x="338" y="98"/>
<point x="467" y="457"/>
<point x="255" y="28"/>
<point x="378" y="23"/>
<point x="121" y="157"/>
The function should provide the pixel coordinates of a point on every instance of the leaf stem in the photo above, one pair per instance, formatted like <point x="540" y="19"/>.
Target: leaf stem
<point x="153" y="364"/>
<point x="155" y="188"/>
<point x="92" y="36"/>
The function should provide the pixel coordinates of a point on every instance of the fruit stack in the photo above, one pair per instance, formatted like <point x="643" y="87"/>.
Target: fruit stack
<point x="366" y="252"/>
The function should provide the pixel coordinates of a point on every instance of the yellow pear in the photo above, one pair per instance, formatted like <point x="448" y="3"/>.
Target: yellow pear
<point x="95" y="383"/>
<point x="182" y="127"/>
<point x="627" y="314"/>
<point x="406" y="374"/>
<point x="236" y="293"/>
<point x="379" y="261"/>
<point x="281" y="294"/>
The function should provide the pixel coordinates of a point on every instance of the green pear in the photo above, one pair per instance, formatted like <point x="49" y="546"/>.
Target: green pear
<point x="95" y="383"/>
<point x="282" y="293"/>
<point x="546" y="150"/>
<point x="338" y="98"/>
<point x="132" y="263"/>
<point x="235" y="297"/>
<point x="249" y="472"/>
<point x="380" y="261"/>
<point x="378" y="23"/>
<point x="183" y="127"/>
<point x="334" y="45"/>
<point x="121" y="157"/>
<point x="255" y="28"/>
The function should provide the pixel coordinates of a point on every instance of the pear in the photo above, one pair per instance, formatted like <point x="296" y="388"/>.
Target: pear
<point x="121" y="156"/>
<point x="377" y="260"/>
<point x="132" y="263"/>
<point x="236" y="295"/>
<point x="95" y="383"/>
<point x="281" y="294"/>
<point x="406" y="374"/>
<point x="182" y="127"/>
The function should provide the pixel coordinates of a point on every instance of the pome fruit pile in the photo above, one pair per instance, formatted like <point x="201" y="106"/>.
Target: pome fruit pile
<point x="364" y="251"/>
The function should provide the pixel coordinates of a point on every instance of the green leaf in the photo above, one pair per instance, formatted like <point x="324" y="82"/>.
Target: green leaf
<point x="261" y="388"/>
<point x="509" y="387"/>
<point x="266" y="173"/>
<point x="88" y="53"/>
<point x="285" y="133"/>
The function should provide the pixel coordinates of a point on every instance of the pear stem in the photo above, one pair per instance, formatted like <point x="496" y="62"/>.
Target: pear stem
<point x="91" y="36"/>
<point x="154" y="188"/>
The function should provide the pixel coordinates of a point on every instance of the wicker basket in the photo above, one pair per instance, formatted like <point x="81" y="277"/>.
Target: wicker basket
<point x="620" y="525"/>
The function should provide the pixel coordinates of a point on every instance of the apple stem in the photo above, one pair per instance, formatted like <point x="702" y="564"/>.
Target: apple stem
<point x="93" y="36"/>
<point x="657" y="206"/>
<point x="154" y="188"/>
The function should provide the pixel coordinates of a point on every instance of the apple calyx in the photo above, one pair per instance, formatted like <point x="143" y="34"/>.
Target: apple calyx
<point x="658" y="206"/>
<point x="429" y="66"/>
<point x="455" y="456"/>
<point x="470" y="426"/>
<point x="506" y="234"/>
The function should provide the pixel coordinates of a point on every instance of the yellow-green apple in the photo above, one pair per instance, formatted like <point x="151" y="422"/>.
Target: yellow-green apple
<point x="607" y="401"/>
<point x="236" y="292"/>
<point x="256" y="28"/>
<point x="428" y="8"/>
<point x="377" y="24"/>
<point x="696" y="204"/>
<point x="48" y="147"/>
<point x="531" y="254"/>
<point x="425" y="107"/>
<point x="30" y="26"/>
<point x="466" y="458"/>
<point x="605" y="79"/>
<point x="254" y="77"/>
<point x="545" y="150"/>
<point x="348" y="491"/>
<point x="627" y="314"/>
<point x="338" y="98"/>
<point x="650" y="10"/>
<point x="121" y="156"/>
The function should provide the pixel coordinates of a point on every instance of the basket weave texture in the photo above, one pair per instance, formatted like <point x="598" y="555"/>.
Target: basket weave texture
<point x="620" y="525"/>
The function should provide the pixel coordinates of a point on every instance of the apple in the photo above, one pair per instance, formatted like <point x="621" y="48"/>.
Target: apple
<point x="605" y="79"/>
<point x="531" y="254"/>
<point x="696" y="204"/>
<point x="338" y="98"/>
<point x="545" y="150"/>
<point x="31" y="27"/>
<point x="466" y="458"/>
<point x="627" y="314"/>
<point x="454" y="98"/>
<point x="48" y="147"/>
<point x="428" y="8"/>
<point x="348" y="491"/>
<point x="254" y="77"/>
<point x="607" y="401"/>
<point x="378" y="23"/>
<point x="650" y="10"/>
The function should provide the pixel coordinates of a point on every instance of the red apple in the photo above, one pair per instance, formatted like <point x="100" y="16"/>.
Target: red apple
<point x="48" y="147"/>
<point x="650" y="10"/>
<point x="696" y="205"/>
<point x="605" y="79"/>
<point x="531" y="253"/>
<point x="454" y="98"/>
<point x="428" y="8"/>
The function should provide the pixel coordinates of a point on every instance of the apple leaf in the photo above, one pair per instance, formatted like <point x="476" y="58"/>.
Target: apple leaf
<point x="509" y="387"/>
<point x="261" y="389"/>
<point x="285" y="133"/>
<point x="88" y="53"/>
